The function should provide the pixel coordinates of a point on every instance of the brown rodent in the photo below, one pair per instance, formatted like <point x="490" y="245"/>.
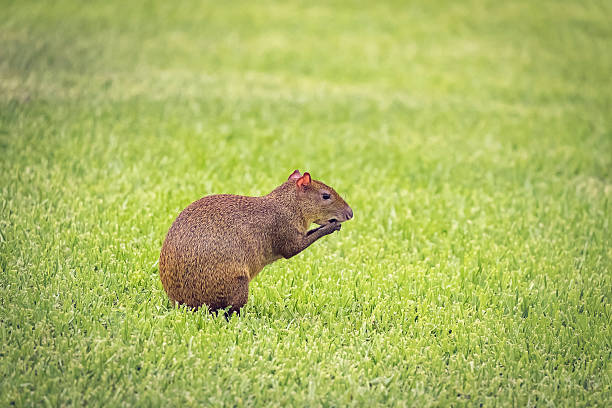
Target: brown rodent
<point x="220" y="242"/>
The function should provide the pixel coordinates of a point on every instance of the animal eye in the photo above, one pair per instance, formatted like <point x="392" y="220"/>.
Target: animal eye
<point x="326" y="196"/>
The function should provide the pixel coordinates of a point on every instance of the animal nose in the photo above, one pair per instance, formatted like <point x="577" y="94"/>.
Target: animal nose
<point x="349" y="213"/>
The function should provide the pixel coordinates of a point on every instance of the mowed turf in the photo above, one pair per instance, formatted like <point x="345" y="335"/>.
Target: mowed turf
<point x="473" y="141"/>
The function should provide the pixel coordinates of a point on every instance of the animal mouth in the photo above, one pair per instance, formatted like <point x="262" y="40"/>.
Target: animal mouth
<point x="323" y="222"/>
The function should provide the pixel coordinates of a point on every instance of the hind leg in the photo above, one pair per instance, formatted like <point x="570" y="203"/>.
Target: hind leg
<point x="239" y="294"/>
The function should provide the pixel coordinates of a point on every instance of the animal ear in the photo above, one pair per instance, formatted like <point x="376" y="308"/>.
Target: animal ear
<point x="295" y="175"/>
<point x="304" y="180"/>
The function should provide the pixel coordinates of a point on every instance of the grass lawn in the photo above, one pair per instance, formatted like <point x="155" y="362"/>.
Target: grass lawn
<point x="473" y="141"/>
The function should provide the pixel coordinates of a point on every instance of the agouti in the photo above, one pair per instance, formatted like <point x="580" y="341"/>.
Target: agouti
<point x="220" y="242"/>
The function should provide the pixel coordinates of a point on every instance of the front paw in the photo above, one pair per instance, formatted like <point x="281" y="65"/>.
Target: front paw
<point x="332" y="227"/>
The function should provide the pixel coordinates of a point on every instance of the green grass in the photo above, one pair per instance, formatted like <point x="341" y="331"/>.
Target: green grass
<point x="473" y="141"/>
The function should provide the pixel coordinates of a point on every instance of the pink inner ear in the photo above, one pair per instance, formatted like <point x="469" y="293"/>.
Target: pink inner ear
<point x="295" y="175"/>
<point x="304" y="180"/>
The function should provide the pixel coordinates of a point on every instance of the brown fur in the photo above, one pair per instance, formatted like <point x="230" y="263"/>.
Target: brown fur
<point x="219" y="243"/>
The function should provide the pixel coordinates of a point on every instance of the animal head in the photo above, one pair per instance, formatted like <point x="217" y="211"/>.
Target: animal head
<point x="319" y="202"/>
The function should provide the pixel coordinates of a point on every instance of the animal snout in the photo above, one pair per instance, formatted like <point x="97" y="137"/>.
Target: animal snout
<point x="348" y="214"/>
